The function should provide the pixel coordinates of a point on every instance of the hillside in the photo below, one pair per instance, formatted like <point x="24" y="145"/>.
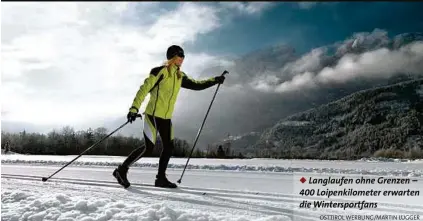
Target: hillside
<point x="240" y="143"/>
<point x="386" y="121"/>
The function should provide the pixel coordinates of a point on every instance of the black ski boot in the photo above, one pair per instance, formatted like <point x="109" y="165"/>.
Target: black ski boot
<point x="120" y="175"/>
<point x="161" y="181"/>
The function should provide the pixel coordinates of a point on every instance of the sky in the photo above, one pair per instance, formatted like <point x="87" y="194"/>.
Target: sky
<point x="70" y="63"/>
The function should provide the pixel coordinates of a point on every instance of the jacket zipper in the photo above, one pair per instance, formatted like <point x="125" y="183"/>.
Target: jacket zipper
<point x="173" y="90"/>
<point x="157" y="93"/>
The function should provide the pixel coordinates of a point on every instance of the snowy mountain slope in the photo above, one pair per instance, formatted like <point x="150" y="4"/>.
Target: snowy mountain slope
<point x="90" y="193"/>
<point x="355" y="126"/>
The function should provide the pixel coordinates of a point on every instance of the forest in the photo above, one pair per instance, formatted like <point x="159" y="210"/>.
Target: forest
<point x="67" y="141"/>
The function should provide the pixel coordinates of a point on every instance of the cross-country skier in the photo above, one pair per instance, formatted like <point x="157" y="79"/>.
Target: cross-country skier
<point x="163" y="84"/>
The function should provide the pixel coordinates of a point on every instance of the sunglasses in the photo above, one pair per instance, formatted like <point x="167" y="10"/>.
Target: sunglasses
<point x="180" y="54"/>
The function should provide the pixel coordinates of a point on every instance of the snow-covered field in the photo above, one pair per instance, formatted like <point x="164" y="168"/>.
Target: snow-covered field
<point x="256" y="189"/>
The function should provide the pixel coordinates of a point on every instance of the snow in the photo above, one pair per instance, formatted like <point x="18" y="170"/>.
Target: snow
<point x="385" y="105"/>
<point x="295" y="123"/>
<point x="233" y="138"/>
<point x="20" y="205"/>
<point x="9" y="152"/>
<point x="370" y="166"/>
<point x="214" y="190"/>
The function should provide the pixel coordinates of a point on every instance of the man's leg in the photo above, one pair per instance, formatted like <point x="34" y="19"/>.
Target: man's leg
<point x="150" y="135"/>
<point x="166" y="133"/>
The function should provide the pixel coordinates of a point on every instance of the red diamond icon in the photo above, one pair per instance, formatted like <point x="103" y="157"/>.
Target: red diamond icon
<point x="302" y="180"/>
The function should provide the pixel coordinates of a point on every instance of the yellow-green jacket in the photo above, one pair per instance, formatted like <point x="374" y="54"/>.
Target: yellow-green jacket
<point x="163" y="86"/>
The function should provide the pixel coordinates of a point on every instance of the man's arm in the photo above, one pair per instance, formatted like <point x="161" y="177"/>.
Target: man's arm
<point x="145" y="88"/>
<point x="197" y="85"/>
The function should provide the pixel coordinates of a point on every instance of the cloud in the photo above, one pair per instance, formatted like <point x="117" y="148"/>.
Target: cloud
<point x="362" y="41"/>
<point x="71" y="62"/>
<point x="310" y="62"/>
<point x="380" y="63"/>
<point x="185" y="24"/>
<point x="247" y="7"/>
<point x="302" y="81"/>
<point x="265" y="83"/>
<point x="365" y="55"/>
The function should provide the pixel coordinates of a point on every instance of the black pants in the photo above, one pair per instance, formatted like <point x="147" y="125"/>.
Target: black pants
<point x="152" y="125"/>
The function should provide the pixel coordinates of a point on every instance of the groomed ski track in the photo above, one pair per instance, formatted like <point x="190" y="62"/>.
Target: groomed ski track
<point x="214" y="197"/>
<point x="189" y="196"/>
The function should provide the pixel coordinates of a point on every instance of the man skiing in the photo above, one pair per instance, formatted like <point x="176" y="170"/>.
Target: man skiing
<point x="163" y="84"/>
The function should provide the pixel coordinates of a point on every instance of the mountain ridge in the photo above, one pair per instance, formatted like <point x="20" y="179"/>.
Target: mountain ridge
<point x="354" y="126"/>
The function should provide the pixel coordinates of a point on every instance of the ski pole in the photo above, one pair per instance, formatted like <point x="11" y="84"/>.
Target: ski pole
<point x="201" y="128"/>
<point x="44" y="179"/>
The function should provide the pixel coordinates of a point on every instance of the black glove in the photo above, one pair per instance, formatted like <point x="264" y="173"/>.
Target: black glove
<point x="132" y="114"/>
<point x="219" y="79"/>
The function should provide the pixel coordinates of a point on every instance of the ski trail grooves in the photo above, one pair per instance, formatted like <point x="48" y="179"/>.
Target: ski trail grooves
<point x="172" y="194"/>
<point x="261" y="196"/>
<point x="281" y="204"/>
<point x="30" y="200"/>
<point x="156" y="194"/>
